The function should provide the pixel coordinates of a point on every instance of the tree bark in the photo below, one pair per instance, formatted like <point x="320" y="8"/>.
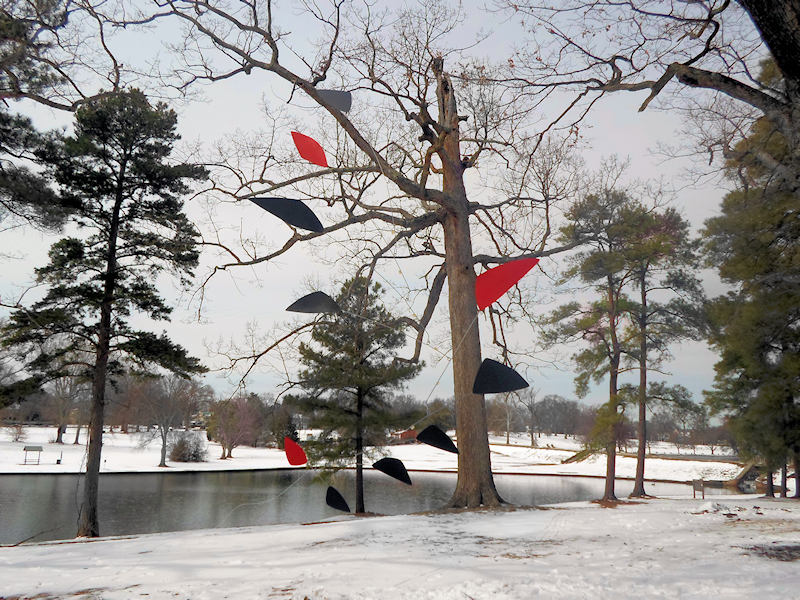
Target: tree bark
<point x="89" y="525"/>
<point x="359" y="454"/>
<point x="475" y="485"/>
<point x="163" y="461"/>
<point x="611" y="449"/>
<point x="638" y="485"/>
<point x="784" y="479"/>
<point x="797" y="477"/>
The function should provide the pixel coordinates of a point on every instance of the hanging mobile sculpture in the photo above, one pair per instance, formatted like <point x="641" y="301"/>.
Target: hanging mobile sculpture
<point x="315" y="302"/>
<point x="309" y="149"/>
<point x="393" y="467"/>
<point x="496" y="378"/>
<point x="492" y="284"/>
<point x="433" y="436"/>
<point x="291" y="211"/>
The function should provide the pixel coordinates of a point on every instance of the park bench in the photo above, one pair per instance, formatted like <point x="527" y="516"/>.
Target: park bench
<point x="37" y="449"/>
<point x="698" y="485"/>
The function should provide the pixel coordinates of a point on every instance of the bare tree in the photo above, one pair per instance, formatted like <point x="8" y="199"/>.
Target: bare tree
<point x="527" y="400"/>
<point x="65" y="395"/>
<point x="166" y="402"/>
<point x="702" y="57"/>
<point x="232" y="422"/>
<point x="425" y="115"/>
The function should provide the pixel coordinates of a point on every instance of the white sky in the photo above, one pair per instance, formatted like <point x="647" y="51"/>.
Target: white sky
<point x="261" y="294"/>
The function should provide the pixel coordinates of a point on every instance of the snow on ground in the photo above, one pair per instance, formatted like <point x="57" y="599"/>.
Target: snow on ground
<point x="122" y="454"/>
<point x="658" y="548"/>
<point x="678" y="548"/>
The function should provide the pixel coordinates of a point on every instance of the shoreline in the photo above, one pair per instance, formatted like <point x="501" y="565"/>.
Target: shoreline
<point x="166" y="471"/>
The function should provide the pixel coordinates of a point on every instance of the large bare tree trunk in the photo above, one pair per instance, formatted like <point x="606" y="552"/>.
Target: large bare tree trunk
<point x="475" y="485"/>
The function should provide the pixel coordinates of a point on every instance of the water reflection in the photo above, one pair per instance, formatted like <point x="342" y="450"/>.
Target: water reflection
<point x="156" y="502"/>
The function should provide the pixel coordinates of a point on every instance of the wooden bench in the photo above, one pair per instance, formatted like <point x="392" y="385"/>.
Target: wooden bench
<point x="37" y="449"/>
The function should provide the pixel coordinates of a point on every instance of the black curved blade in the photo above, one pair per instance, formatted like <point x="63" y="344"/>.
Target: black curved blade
<point x="496" y="378"/>
<point x="291" y="211"/>
<point x="315" y="302"/>
<point x="334" y="500"/>
<point x="393" y="468"/>
<point x="340" y="100"/>
<point x="433" y="436"/>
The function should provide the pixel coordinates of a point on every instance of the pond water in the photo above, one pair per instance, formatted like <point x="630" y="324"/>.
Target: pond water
<point x="46" y="506"/>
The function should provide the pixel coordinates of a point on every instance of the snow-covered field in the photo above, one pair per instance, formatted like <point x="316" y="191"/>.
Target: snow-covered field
<point x="742" y="547"/>
<point x="122" y="454"/>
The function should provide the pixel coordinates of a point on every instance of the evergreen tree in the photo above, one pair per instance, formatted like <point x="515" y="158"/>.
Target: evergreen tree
<point x="661" y="259"/>
<point x="755" y="244"/>
<point x="26" y="197"/>
<point x="603" y="222"/>
<point x="132" y="215"/>
<point x="350" y="367"/>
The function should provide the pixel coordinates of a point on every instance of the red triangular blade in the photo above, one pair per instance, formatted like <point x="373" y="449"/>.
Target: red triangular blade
<point x="294" y="453"/>
<point x="492" y="284"/>
<point x="309" y="149"/>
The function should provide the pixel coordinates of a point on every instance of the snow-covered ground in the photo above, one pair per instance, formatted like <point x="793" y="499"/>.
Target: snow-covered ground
<point x="742" y="547"/>
<point x="123" y="454"/>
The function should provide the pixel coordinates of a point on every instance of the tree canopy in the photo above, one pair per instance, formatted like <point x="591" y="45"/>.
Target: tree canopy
<point x="131" y="213"/>
<point x="350" y="369"/>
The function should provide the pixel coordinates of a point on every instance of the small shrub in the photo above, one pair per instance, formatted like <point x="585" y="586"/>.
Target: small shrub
<point x="188" y="447"/>
<point x="17" y="433"/>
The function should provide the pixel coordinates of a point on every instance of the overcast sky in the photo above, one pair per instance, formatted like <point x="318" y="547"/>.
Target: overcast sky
<point x="261" y="294"/>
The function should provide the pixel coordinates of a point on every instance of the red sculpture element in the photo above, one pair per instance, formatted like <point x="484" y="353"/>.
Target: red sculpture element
<point x="309" y="149"/>
<point x="492" y="284"/>
<point x="294" y="453"/>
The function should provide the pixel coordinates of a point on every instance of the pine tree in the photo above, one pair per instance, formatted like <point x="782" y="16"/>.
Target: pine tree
<point x="350" y="367"/>
<point x="603" y="222"/>
<point x="755" y="244"/>
<point x="661" y="259"/>
<point x="116" y="164"/>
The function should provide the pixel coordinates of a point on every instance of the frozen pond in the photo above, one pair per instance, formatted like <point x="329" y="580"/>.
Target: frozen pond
<point x="133" y="503"/>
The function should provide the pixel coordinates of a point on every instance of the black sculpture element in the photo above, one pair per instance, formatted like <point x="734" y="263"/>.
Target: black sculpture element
<point x="334" y="500"/>
<point x="433" y="436"/>
<point x="393" y="468"/>
<point x="291" y="211"/>
<point x="315" y="302"/>
<point x="496" y="378"/>
<point x="340" y="100"/>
